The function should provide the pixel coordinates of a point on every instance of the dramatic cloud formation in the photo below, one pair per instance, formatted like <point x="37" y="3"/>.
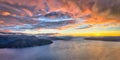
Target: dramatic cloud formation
<point x="19" y="15"/>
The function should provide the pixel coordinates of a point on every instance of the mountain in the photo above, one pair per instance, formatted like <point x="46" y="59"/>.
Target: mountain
<point x="21" y="41"/>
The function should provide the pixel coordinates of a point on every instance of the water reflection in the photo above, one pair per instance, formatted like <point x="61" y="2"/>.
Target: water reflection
<point x="66" y="50"/>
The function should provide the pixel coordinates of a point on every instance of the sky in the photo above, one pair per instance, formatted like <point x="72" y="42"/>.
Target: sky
<point x="65" y="17"/>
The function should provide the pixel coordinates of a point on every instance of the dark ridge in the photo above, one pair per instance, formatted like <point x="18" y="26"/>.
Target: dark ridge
<point x="114" y="39"/>
<point x="22" y="41"/>
<point x="65" y="38"/>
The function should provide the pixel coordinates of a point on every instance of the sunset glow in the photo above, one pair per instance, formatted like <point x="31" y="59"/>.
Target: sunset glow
<point x="73" y="17"/>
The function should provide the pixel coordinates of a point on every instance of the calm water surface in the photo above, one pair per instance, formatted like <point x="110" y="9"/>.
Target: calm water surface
<point x="66" y="50"/>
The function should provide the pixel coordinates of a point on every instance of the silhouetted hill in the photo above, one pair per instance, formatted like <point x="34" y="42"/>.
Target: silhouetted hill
<point x="21" y="41"/>
<point x="66" y="38"/>
<point x="115" y="38"/>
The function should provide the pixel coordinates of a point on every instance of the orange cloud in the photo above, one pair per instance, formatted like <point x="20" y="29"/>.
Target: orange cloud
<point x="93" y="11"/>
<point x="5" y="31"/>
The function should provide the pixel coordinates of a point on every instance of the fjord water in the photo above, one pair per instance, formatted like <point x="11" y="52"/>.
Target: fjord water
<point x="66" y="50"/>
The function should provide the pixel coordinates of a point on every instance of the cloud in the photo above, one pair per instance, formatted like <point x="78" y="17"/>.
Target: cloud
<point x="12" y="15"/>
<point x="57" y="14"/>
<point x="84" y="26"/>
<point x="109" y="9"/>
<point x="5" y="30"/>
<point x="20" y="17"/>
<point x="105" y="8"/>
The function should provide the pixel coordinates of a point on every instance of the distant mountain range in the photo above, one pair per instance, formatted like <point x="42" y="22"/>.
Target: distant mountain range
<point x="11" y="33"/>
